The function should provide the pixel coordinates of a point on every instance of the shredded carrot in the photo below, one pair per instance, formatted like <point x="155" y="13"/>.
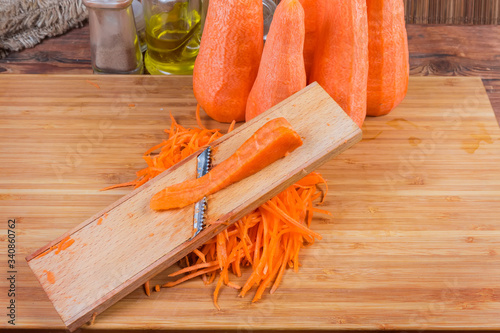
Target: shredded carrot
<point x="231" y="127"/>
<point x="99" y="221"/>
<point x="50" y="276"/>
<point x="44" y="253"/>
<point x="267" y="240"/>
<point x="217" y="289"/>
<point x="92" y="320"/>
<point x="194" y="267"/>
<point x="198" y="119"/>
<point x="59" y="247"/>
<point x="181" y="143"/>
<point x="190" y="276"/>
<point x="93" y="83"/>
<point x="118" y="185"/>
<point x="67" y="244"/>
<point x="146" y="288"/>
<point x="322" y="211"/>
<point x="157" y="288"/>
<point x="200" y="255"/>
<point x="233" y="285"/>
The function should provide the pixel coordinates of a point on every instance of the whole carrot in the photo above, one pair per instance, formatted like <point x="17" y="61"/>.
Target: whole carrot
<point x="269" y="143"/>
<point x="341" y="60"/>
<point x="281" y="72"/>
<point x="229" y="57"/>
<point x="388" y="56"/>
<point x="313" y="14"/>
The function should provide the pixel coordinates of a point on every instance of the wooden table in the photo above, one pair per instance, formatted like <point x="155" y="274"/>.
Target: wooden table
<point x="434" y="50"/>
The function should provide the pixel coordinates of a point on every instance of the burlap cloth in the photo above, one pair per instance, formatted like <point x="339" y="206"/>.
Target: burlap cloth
<point x="24" y="23"/>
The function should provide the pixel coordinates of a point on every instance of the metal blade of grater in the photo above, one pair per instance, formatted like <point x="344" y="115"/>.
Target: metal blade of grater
<point x="204" y="163"/>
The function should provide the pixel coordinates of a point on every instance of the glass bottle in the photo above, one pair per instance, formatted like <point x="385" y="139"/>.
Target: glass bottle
<point x="140" y="24"/>
<point x="269" y="6"/>
<point x="114" y="43"/>
<point x="173" y="34"/>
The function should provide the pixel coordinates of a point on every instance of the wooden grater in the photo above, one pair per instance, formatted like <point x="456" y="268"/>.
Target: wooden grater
<point x="126" y="244"/>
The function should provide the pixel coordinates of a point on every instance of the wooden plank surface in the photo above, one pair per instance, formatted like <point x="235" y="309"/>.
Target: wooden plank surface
<point x="126" y="244"/>
<point x="414" y="242"/>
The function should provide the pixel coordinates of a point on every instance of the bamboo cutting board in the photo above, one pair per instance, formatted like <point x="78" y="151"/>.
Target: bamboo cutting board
<point x="414" y="242"/>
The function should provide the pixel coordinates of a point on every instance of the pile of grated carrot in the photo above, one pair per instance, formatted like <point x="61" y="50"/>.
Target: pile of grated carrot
<point x="268" y="239"/>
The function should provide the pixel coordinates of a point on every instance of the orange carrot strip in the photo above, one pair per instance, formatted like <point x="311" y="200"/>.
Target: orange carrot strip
<point x="60" y="244"/>
<point x="198" y="119"/>
<point x="118" y="185"/>
<point x="322" y="211"/>
<point x="282" y="268"/>
<point x="50" y="276"/>
<point x="216" y="291"/>
<point x="152" y="149"/>
<point x="190" y="276"/>
<point x="276" y="210"/>
<point x="92" y="320"/>
<point x="43" y="254"/>
<point x="146" y="288"/>
<point x="200" y="255"/>
<point x="234" y="285"/>
<point x="194" y="267"/>
<point x="231" y="127"/>
<point x="212" y="278"/>
<point x="67" y="244"/>
<point x="265" y="283"/>
<point x="93" y="83"/>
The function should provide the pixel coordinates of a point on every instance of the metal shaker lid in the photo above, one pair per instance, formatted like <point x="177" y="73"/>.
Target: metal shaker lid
<point x="107" y="3"/>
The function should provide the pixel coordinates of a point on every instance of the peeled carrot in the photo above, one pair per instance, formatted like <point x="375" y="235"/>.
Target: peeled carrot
<point x="272" y="141"/>
<point x="341" y="60"/>
<point x="388" y="55"/>
<point x="282" y="72"/>
<point x="229" y="57"/>
<point x="312" y="21"/>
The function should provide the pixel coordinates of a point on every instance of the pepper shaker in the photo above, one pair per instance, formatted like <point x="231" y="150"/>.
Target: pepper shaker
<point x="114" y="44"/>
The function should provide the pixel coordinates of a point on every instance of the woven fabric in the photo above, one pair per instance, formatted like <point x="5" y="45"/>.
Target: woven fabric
<point x="24" y="23"/>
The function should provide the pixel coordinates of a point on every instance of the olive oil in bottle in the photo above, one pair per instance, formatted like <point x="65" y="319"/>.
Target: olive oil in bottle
<point x="173" y="39"/>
